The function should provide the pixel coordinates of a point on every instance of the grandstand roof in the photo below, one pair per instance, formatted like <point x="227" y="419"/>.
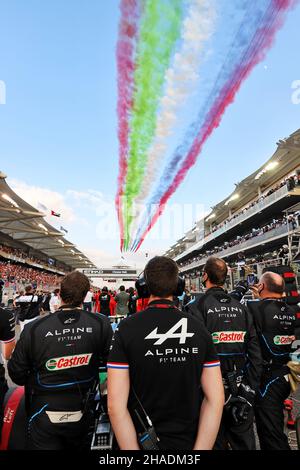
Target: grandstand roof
<point x="285" y="159"/>
<point x="23" y="223"/>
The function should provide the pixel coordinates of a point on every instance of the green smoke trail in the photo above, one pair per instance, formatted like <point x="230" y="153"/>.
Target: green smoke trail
<point x="159" y="31"/>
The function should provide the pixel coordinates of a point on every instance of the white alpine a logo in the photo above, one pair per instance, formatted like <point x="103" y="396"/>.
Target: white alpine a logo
<point x="70" y="320"/>
<point x="182" y="335"/>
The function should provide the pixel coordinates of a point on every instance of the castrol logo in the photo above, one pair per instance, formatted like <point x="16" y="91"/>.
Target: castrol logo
<point x="67" y="362"/>
<point x="9" y="416"/>
<point x="229" y="337"/>
<point x="281" y="340"/>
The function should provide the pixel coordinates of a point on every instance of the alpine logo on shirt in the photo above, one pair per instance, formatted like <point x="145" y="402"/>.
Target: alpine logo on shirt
<point x="228" y="337"/>
<point x="69" y="334"/>
<point x="68" y="362"/>
<point x="178" y="332"/>
<point x="223" y="311"/>
<point x="69" y="320"/>
<point x="284" y="318"/>
<point x="171" y="334"/>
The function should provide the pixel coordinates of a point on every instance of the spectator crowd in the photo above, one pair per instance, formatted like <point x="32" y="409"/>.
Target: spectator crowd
<point x="18" y="276"/>
<point x="26" y="257"/>
<point x="293" y="220"/>
<point x="291" y="182"/>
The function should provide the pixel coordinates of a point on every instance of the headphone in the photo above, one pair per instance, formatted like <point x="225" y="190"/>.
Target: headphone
<point x="143" y="290"/>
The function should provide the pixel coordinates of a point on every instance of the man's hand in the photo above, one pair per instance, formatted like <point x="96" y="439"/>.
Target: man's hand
<point x="7" y="349"/>
<point x="118" y="392"/>
<point x="255" y="291"/>
<point x="211" y="408"/>
<point x="239" y="408"/>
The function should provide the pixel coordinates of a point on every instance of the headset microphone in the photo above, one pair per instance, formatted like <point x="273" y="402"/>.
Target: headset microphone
<point x="143" y="290"/>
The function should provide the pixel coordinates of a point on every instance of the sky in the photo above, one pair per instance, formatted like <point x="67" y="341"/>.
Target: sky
<point x="58" y="126"/>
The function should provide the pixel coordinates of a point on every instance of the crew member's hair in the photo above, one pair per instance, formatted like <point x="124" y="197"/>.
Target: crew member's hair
<point x="273" y="282"/>
<point x="104" y="289"/>
<point x="74" y="288"/>
<point x="56" y="291"/>
<point x="216" y="270"/>
<point x="161" y="275"/>
<point x="122" y="288"/>
<point x="28" y="289"/>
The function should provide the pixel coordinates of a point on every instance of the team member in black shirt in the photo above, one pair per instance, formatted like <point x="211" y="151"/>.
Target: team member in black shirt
<point x="57" y="358"/>
<point x="1" y="290"/>
<point x="104" y="300"/>
<point x="7" y="338"/>
<point x="160" y="360"/>
<point x="275" y="322"/>
<point x="132" y="301"/>
<point x="236" y="342"/>
<point x="29" y="306"/>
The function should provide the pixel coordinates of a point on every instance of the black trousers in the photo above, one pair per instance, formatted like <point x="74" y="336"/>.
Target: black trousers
<point x="44" y="435"/>
<point x="236" y="437"/>
<point x="269" y="414"/>
<point x="3" y="390"/>
<point x="87" y="306"/>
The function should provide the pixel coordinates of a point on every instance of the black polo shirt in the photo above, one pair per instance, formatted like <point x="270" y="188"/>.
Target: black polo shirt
<point x="165" y="351"/>
<point x="104" y="304"/>
<point x="7" y="326"/>
<point x="7" y="333"/>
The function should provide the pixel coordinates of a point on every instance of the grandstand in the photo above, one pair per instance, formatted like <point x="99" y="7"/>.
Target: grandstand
<point x="31" y="250"/>
<point x="256" y="226"/>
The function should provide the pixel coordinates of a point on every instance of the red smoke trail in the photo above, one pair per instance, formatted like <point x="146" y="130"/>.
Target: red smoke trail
<point x="260" y="45"/>
<point x="128" y="31"/>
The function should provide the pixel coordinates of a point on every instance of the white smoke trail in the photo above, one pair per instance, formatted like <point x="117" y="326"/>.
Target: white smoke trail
<point x="180" y="79"/>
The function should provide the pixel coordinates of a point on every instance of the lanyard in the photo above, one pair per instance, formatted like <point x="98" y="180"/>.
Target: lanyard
<point x="68" y="309"/>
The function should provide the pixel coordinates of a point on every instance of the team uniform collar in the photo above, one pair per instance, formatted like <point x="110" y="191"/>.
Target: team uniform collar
<point x="161" y="303"/>
<point x="214" y="289"/>
<point x="66" y="308"/>
<point x="278" y="299"/>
